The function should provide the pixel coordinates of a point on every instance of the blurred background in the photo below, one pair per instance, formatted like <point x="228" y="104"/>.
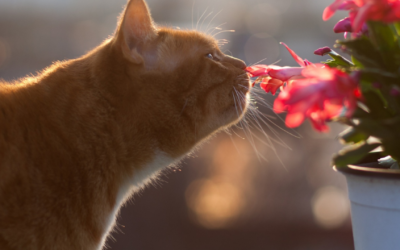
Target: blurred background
<point x="259" y="186"/>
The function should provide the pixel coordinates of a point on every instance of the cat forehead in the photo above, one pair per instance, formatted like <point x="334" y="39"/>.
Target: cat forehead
<point x="177" y="46"/>
<point x="190" y="39"/>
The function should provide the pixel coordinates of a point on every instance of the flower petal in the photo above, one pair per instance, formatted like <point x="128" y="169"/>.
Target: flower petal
<point x="297" y="58"/>
<point x="294" y="119"/>
<point x="257" y="70"/>
<point x="361" y="17"/>
<point x="318" y="122"/>
<point x="331" y="9"/>
<point x="321" y="72"/>
<point x="286" y="73"/>
<point x="271" y="85"/>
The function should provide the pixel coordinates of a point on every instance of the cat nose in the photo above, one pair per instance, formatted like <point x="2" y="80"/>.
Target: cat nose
<point x="235" y="62"/>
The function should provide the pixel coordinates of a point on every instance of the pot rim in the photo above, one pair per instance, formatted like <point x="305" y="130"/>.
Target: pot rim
<point x="362" y="168"/>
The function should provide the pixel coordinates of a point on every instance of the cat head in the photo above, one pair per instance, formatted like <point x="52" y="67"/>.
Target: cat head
<point x="178" y="82"/>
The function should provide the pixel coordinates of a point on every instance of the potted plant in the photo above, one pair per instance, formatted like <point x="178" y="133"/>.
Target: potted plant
<point x="362" y="92"/>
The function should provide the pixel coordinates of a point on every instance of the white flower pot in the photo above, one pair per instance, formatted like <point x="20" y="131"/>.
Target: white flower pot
<point x="374" y="194"/>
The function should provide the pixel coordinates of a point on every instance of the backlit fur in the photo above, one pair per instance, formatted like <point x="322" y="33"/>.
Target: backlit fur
<point x="76" y="139"/>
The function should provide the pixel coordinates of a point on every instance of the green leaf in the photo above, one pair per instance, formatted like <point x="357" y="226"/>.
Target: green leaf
<point x="366" y="86"/>
<point x="360" y="113"/>
<point x="356" y="62"/>
<point x="372" y="127"/>
<point x="376" y="105"/>
<point x="331" y="63"/>
<point x="364" y="52"/>
<point x="386" y="40"/>
<point x="382" y="35"/>
<point x="340" y="60"/>
<point x="352" y="135"/>
<point x="396" y="25"/>
<point x="352" y="154"/>
<point x="380" y="73"/>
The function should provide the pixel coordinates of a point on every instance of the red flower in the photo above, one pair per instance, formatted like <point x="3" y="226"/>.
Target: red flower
<point x="321" y="96"/>
<point x="270" y="85"/>
<point x="271" y="77"/>
<point x="364" y="10"/>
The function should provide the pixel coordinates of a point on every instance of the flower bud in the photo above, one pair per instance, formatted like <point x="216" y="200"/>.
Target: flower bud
<point x="343" y="25"/>
<point x="322" y="51"/>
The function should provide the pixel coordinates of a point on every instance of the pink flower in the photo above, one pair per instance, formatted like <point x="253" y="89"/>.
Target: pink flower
<point x="322" y="51"/>
<point x="272" y="77"/>
<point x="343" y="25"/>
<point x="338" y="5"/>
<point x="320" y="96"/>
<point x="364" y="10"/>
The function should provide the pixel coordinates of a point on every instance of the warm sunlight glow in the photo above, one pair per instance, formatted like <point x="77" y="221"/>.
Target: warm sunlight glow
<point x="215" y="204"/>
<point x="330" y="207"/>
<point x="218" y="200"/>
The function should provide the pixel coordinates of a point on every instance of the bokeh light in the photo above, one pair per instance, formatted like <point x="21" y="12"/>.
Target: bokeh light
<point x="215" y="203"/>
<point x="330" y="207"/>
<point x="218" y="200"/>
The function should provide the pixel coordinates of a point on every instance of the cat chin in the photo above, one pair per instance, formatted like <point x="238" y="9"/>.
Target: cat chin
<point x="234" y="113"/>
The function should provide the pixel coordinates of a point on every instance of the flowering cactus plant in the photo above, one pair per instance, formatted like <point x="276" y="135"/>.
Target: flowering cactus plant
<point x="363" y="93"/>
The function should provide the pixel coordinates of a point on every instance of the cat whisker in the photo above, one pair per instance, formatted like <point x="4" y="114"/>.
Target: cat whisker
<point x="276" y="62"/>
<point x="201" y="25"/>
<point x="222" y="31"/>
<point x="257" y="119"/>
<point x="255" y="114"/>
<point x="259" y="127"/>
<point x="264" y="60"/>
<point x="276" y="117"/>
<point x="212" y="19"/>
<point x="215" y="28"/>
<point x="247" y="129"/>
<point x="258" y="62"/>
<point x="220" y="44"/>
<point x="234" y="144"/>
<point x="198" y="21"/>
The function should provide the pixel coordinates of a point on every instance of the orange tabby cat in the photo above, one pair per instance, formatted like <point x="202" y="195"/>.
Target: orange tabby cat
<point x="77" y="139"/>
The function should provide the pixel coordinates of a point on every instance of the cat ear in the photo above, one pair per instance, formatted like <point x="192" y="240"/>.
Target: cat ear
<point x="136" y="30"/>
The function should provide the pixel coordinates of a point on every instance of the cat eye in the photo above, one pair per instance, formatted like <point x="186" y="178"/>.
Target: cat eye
<point x="209" y="55"/>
